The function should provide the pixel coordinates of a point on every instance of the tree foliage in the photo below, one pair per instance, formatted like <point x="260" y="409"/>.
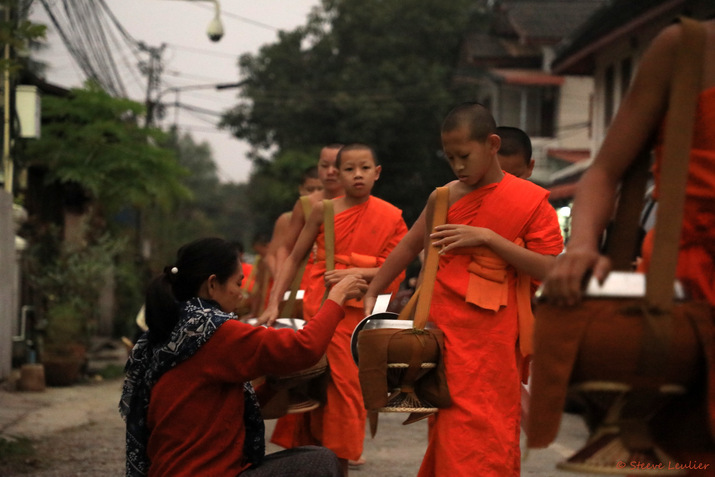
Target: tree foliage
<point x="360" y="71"/>
<point x="273" y="186"/>
<point x="192" y="216"/>
<point x="16" y="33"/>
<point x="93" y="140"/>
<point x="214" y="208"/>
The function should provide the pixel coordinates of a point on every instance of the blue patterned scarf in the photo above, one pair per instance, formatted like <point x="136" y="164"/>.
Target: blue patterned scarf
<point x="198" y="321"/>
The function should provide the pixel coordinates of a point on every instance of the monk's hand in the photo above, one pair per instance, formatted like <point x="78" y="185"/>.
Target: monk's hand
<point x="334" y="276"/>
<point x="269" y="315"/>
<point x="450" y="236"/>
<point x="350" y="286"/>
<point x="368" y="302"/>
<point x="568" y="276"/>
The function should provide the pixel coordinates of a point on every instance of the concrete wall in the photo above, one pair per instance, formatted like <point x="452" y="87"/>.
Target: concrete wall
<point x="8" y="284"/>
<point x="631" y="47"/>
<point x="574" y="113"/>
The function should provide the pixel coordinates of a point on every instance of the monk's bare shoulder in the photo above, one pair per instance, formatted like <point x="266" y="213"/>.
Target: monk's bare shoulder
<point x="457" y="190"/>
<point x="317" y="196"/>
<point x="316" y="213"/>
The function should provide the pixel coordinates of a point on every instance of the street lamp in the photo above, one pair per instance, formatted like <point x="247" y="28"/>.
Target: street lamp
<point x="215" y="28"/>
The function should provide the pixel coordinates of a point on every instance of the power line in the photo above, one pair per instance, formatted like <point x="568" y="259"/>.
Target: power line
<point x="203" y="52"/>
<point x="88" y="37"/>
<point x="243" y="19"/>
<point x="189" y="76"/>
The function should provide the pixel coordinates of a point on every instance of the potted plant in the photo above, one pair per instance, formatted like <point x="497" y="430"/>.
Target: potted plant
<point x="67" y="279"/>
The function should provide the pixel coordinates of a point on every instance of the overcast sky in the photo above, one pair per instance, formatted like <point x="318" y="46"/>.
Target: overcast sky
<point x="190" y="58"/>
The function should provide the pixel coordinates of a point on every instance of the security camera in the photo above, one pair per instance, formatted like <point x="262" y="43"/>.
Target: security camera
<point x="215" y="29"/>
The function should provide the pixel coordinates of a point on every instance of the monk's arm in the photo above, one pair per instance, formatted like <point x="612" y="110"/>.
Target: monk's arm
<point x="280" y="229"/>
<point x="396" y="262"/>
<point x="290" y="266"/>
<point x="451" y="236"/>
<point x="291" y="234"/>
<point x="524" y="260"/>
<point x="635" y="123"/>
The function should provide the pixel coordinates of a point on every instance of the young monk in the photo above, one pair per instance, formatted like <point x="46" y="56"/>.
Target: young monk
<point x="331" y="188"/>
<point x="285" y="428"/>
<point x="310" y="183"/>
<point x="366" y="231"/>
<point x="515" y="157"/>
<point x="642" y="114"/>
<point x="261" y="274"/>
<point x="515" y="154"/>
<point x="500" y="232"/>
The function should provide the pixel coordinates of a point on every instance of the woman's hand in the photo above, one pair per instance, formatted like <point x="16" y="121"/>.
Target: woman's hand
<point x="449" y="236"/>
<point x="565" y="281"/>
<point x="334" y="276"/>
<point x="351" y="286"/>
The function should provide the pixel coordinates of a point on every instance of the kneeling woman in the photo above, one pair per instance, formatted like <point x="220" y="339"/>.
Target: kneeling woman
<point x="187" y="399"/>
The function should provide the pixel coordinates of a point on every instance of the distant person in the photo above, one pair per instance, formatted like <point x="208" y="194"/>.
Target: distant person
<point x="515" y="153"/>
<point x="244" y="305"/>
<point x="331" y="188"/>
<point x="261" y="274"/>
<point x="310" y="183"/>
<point x="187" y="399"/>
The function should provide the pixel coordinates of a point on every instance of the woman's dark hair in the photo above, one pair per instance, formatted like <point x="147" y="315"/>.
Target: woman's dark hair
<point x="195" y="263"/>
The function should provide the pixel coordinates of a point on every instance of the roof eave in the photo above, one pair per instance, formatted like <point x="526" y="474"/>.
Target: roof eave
<point x="581" y="61"/>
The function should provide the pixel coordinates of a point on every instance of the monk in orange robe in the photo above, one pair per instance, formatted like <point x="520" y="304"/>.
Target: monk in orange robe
<point x="310" y="183"/>
<point x="286" y="432"/>
<point x="501" y="233"/>
<point x="641" y="113"/>
<point x="696" y="262"/>
<point x="366" y="230"/>
<point x="478" y="303"/>
<point x="331" y="188"/>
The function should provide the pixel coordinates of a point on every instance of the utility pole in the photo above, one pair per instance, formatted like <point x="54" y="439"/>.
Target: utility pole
<point x="152" y="69"/>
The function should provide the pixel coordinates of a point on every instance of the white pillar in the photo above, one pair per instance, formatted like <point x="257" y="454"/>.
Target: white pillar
<point x="8" y="283"/>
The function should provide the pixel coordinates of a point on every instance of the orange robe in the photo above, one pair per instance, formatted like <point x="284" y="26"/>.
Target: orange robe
<point x="696" y="255"/>
<point x="479" y="433"/>
<point x="696" y="259"/>
<point x="364" y="236"/>
<point x="248" y="276"/>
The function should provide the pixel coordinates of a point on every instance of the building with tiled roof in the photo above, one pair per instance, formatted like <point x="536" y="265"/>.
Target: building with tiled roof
<point x="508" y="65"/>
<point x="608" y="48"/>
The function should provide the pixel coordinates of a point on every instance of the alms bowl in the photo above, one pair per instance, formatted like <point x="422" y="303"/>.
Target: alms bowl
<point x="379" y="321"/>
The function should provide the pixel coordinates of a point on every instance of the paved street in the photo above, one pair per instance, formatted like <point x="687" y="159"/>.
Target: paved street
<point x="79" y="433"/>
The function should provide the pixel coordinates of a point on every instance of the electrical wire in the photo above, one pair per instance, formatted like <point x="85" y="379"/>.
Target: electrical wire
<point x="82" y="29"/>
